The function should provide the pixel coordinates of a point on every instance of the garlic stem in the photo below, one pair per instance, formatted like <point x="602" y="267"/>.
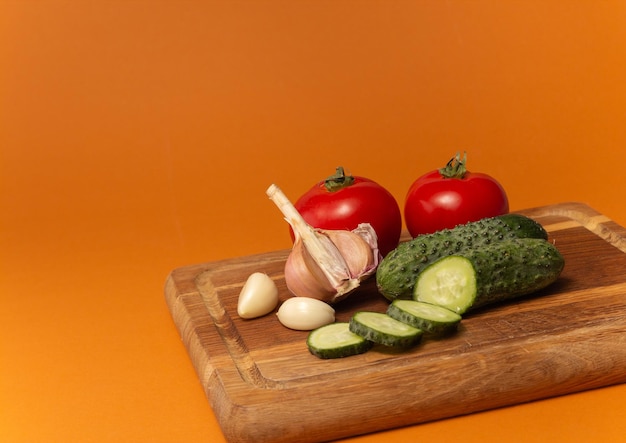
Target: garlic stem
<point x="319" y="246"/>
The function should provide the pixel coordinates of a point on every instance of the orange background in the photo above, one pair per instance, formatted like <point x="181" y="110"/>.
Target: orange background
<point x="140" y="136"/>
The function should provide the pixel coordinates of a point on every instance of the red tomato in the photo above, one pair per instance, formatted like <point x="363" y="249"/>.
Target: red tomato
<point x="343" y="202"/>
<point x="451" y="196"/>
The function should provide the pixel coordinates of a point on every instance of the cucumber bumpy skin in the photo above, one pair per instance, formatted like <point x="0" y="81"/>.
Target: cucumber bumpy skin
<point x="494" y="273"/>
<point x="398" y="271"/>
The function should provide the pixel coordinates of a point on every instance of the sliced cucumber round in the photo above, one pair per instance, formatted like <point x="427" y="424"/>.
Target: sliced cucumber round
<point x="450" y="282"/>
<point x="432" y="319"/>
<point x="382" y="329"/>
<point x="335" y="340"/>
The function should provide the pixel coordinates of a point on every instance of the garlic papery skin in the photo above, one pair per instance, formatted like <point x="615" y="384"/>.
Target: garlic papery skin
<point x="359" y="249"/>
<point x="305" y="314"/>
<point x="325" y="264"/>
<point x="258" y="297"/>
<point x="304" y="277"/>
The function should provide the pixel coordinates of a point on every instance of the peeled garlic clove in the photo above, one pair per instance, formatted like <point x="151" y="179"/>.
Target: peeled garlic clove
<point x="259" y="296"/>
<point x="305" y="314"/>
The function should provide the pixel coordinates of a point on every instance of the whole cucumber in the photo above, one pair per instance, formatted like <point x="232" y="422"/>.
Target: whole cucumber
<point x="398" y="271"/>
<point x="494" y="273"/>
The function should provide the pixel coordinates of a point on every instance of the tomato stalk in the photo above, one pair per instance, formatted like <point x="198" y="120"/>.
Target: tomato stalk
<point x="338" y="180"/>
<point x="455" y="168"/>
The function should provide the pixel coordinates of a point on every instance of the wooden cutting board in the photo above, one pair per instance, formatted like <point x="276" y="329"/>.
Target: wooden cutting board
<point x="265" y="386"/>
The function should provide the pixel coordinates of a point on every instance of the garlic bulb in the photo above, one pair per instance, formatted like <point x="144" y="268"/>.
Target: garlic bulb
<point x="326" y="264"/>
<point x="305" y="314"/>
<point x="259" y="296"/>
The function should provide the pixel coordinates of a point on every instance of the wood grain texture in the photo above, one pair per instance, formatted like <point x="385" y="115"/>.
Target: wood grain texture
<point x="265" y="386"/>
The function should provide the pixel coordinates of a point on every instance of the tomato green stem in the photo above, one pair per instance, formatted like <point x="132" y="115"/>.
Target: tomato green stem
<point x="455" y="168"/>
<point x="338" y="180"/>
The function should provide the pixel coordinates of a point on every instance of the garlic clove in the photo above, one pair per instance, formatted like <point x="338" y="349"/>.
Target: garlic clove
<point x="369" y="236"/>
<point x="258" y="297"/>
<point x="356" y="249"/>
<point x="305" y="314"/>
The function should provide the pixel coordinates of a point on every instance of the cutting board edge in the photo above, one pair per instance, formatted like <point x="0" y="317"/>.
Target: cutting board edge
<point x="187" y="330"/>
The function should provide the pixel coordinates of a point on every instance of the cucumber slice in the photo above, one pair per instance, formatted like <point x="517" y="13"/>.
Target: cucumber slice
<point x="431" y="319"/>
<point x="449" y="283"/>
<point x="382" y="329"/>
<point x="336" y="341"/>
